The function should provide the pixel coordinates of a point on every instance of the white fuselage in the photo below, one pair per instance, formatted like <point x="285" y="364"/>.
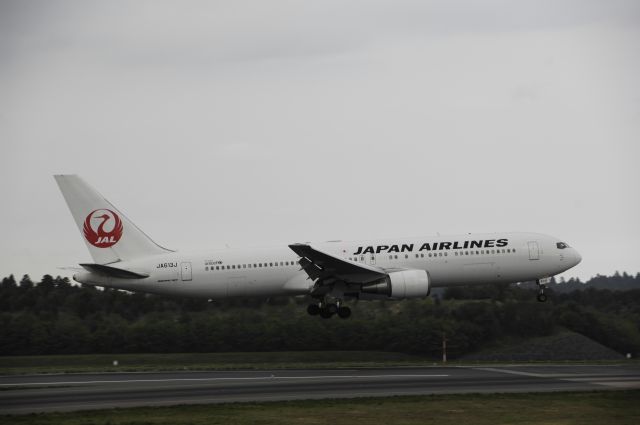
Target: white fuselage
<point x="263" y="272"/>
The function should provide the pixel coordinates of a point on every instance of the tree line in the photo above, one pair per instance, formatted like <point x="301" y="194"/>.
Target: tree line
<point x="53" y="316"/>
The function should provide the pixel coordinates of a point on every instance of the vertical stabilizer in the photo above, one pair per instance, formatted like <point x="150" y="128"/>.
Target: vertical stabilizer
<point x="109" y="234"/>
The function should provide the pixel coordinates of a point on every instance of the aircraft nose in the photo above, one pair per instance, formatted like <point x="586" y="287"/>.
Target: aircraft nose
<point x="577" y="256"/>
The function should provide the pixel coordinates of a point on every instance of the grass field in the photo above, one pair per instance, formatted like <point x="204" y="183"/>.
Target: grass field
<point x="204" y="361"/>
<point x="591" y="408"/>
<point x="219" y="361"/>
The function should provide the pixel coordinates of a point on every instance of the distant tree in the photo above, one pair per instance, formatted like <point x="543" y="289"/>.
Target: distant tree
<point x="56" y="316"/>
<point x="26" y="282"/>
<point x="9" y="282"/>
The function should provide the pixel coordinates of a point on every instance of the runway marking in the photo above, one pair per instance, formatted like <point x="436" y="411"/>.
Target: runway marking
<point x="611" y="381"/>
<point x="620" y="384"/>
<point x="255" y="378"/>
<point x="513" y="372"/>
<point x="606" y="380"/>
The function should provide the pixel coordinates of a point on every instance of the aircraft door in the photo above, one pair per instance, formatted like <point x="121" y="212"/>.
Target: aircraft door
<point x="534" y="251"/>
<point x="185" y="271"/>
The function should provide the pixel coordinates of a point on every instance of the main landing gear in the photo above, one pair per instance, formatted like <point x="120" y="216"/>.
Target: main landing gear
<point x="327" y="310"/>
<point x="541" y="287"/>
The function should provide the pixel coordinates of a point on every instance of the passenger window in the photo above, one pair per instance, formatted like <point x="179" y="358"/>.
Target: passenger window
<point x="396" y="257"/>
<point x="422" y="255"/>
<point x="513" y="250"/>
<point x="206" y="269"/>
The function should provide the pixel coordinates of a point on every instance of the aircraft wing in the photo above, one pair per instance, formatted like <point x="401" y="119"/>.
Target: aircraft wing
<point x="327" y="268"/>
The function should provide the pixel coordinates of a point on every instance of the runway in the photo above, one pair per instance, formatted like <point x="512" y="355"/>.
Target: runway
<point x="67" y="392"/>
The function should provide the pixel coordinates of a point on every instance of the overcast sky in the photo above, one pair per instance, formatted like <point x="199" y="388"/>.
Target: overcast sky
<point x="270" y="122"/>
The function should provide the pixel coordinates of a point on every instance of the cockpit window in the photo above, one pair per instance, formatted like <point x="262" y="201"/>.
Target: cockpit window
<point x="562" y="245"/>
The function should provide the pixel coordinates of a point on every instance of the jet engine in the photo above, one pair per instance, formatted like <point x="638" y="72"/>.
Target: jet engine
<point x="402" y="284"/>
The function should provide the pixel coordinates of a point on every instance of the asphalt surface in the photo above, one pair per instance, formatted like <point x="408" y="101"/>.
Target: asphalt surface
<point x="67" y="392"/>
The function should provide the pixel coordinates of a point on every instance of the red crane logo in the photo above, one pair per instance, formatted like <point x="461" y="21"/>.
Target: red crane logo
<point x="102" y="234"/>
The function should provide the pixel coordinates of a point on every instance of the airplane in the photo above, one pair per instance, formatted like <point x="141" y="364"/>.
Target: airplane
<point x="331" y="273"/>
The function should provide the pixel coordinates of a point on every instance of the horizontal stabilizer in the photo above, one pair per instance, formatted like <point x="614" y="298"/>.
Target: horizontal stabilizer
<point x="71" y="268"/>
<point x="113" y="271"/>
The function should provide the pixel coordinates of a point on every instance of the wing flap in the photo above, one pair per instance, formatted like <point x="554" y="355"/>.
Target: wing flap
<point x="323" y="266"/>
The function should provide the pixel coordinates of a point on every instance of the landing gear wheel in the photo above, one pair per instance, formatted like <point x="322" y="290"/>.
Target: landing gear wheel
<point x="325" y="313"/>
<point x="328" y="310"/>
<point x="313" y="309"/>
<point x="542" y="297"/>
<point x="344" y="312"/>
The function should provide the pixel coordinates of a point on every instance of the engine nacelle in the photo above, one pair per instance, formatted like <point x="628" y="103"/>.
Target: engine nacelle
<point x="402" y="284"/>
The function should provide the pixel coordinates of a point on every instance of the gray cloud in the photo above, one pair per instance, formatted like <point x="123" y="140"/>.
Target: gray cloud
<point x="275" y="122"/>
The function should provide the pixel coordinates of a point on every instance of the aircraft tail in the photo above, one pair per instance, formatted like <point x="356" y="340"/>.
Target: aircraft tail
<point x="109" y="234"/>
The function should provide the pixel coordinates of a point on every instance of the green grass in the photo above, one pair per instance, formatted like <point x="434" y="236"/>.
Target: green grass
<point x="204" y="361"/>
<point x="91" y="363"/>
<point x="590" y="408"/>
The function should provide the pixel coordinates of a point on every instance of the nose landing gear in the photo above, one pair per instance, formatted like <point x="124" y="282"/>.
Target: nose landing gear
<point x="542" y="285"/>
